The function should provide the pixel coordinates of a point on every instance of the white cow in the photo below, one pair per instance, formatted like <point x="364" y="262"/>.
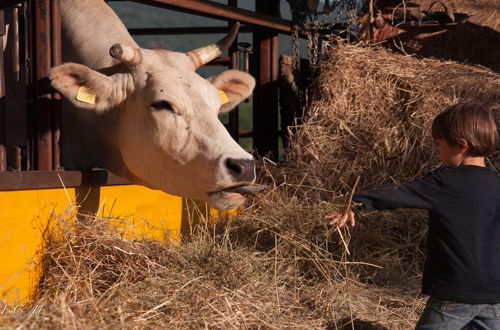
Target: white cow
<point x="146" y="114"/>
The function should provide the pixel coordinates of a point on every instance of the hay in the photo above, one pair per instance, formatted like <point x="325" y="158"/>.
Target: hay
<point x="278" y="265"/>
<point x="272" y="270"/>
<point x="371" y="116"/>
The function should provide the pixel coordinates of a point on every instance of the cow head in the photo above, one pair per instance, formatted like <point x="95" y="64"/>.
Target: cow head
<point x="168" y="131"/>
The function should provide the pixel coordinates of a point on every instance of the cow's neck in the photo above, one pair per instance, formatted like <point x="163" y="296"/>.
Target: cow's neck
<point x="89" y="29"/>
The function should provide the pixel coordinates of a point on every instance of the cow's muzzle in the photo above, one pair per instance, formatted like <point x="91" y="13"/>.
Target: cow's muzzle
<point x="242" y="170"/>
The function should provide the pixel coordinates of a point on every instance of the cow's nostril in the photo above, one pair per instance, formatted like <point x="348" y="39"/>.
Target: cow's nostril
<point x="234" y="166"/>
<point x="241" y="169"/>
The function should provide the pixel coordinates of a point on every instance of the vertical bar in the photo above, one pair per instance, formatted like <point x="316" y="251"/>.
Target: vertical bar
<point x="3" y="140"/>
<point x="15" y="48"/>
<point x="17" y="165"/>
<point x="234" y="126"/>
<point x="56" y="97"/>
<point x="27" y="50"/>
<point x="42" y="34"/>
<point x="265" y="69"/>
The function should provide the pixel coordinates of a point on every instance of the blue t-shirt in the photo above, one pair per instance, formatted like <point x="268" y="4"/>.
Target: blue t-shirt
<point x="463" y="254"/>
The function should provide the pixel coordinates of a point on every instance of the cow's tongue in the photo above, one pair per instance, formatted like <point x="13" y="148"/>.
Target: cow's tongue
<point x="249" y="189"/>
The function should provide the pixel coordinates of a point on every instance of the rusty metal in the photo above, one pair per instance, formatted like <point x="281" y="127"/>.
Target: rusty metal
<point x="16" y="159"/>
<point x="265" y="70"/>
<point x="246" y="55"/>
<point x="410" y="19"/>
<point x="52" y="179"/>
<point x="3" y="139"/>
<point x="15" y="49"/>
<point x="43" y="96"/>
<point x="185" y="30"/>
<point x="56" y="97"/>
<point x="224" y="12"/>
<point x="233" y="124"/>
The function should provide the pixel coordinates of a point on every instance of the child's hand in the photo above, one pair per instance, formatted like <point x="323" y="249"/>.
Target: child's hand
<point x="340" y="218"/>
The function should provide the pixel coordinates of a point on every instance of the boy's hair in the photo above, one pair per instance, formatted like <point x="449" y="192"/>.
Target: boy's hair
<point x="472" y="122"/>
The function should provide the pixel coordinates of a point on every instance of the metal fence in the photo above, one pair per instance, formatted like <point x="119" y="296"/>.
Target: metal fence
<point x="30" y="111"/>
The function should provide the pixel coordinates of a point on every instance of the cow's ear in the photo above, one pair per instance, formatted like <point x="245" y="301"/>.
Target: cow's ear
<point x="236" y="84"/>
<point x="86" y="88"/>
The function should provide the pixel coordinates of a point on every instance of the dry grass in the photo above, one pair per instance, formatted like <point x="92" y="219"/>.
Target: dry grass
<point x="371" y="115"/>
<point x="278" y="265"/>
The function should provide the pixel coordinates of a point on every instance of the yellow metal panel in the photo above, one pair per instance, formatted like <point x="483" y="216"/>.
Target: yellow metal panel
<point x="137" y="210"/>
<point x="23" y="214"/>
<point x="144" y="212"/>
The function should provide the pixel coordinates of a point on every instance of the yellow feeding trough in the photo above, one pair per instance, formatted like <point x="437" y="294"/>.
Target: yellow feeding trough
<point x="138" y="212"/>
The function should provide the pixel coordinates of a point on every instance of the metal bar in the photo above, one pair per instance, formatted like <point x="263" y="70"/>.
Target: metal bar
<point x="17" y="158"/>
<point x="224" y="12"/>
<point x="56" y="97"/>
<point x="186" y="30"/>
<point x="29" y="65"/>
<point x="52" y="179"/>
<point x="265" y="70"/>
<point x="234" y="54"/>
<point x="3" y="139"/>
<point x="225" y="61"/>
<point x="15" y="48"/>
<point x="43" y="95"/>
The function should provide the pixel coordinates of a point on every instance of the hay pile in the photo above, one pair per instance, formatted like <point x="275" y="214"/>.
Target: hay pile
<point x="278" y="265"/>
<point x="371" y="115"/>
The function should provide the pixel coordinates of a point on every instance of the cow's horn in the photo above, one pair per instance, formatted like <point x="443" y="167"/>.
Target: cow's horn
<point x="126" y="54"/>
<point x="203" y="55"/>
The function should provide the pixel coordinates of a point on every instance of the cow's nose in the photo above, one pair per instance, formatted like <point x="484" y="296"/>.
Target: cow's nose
<point x="241" y="169"/>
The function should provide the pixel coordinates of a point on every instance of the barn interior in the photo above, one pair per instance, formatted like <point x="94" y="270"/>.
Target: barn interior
<point x="347" y="106"/>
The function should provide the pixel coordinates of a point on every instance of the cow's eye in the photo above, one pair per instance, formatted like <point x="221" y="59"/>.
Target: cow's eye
<point x="161" y="105"/>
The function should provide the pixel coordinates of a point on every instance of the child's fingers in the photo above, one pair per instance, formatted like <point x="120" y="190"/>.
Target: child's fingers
<point x="351" y="217"/>
<point x="334" y="218"/>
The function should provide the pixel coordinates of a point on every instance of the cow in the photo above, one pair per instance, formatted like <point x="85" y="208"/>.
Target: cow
<point x="145" y="114"/>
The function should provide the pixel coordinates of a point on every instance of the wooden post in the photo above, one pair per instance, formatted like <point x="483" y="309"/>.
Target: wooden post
<point x="265" y="69"/>
<point x="56" y="59"/>
<point x="43" y="97"/>
<point x="3" y="140"/>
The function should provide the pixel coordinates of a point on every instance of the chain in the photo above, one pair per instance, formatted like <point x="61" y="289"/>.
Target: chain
<point x="313" y="23"/>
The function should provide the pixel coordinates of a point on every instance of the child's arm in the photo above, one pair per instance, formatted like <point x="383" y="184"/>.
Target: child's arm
<point x="418" y="194"/>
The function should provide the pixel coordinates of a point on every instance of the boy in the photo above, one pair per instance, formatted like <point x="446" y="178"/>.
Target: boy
<point x="462" y="269"/>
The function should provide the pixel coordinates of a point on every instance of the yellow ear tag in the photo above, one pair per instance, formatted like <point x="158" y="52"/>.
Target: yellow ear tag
<point x="223" y="97"/>
<point x="86" y="95"/>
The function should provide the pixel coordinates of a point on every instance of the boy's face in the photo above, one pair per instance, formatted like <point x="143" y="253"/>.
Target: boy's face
<point x="450" y="155"/>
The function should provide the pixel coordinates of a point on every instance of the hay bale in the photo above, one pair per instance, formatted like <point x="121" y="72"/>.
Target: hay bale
<point x="371" y="113"/>
<point x="279" y="265"/>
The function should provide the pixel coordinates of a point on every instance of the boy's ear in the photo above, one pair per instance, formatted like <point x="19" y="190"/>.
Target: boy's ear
<point x="463" y="145"/>
<point x="87" y="88"/>
<point x="236" y="84"/>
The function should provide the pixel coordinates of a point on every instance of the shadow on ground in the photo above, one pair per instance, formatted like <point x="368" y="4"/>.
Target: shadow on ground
<point x="467" y="43"/>
<point x="347" y="323"/>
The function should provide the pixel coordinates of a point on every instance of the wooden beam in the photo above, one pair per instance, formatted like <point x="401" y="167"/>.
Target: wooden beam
<point x="26" y="180"/>
<point x="3" y="139"/>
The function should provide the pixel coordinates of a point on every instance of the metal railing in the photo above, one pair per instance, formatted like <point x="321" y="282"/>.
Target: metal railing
<point x="30" y="111"/>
